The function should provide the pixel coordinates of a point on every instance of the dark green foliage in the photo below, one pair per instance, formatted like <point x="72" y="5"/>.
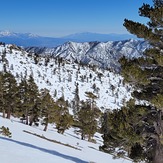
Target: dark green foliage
<point x="63" y="119"/>
<point x="23" y="98"/>
<point x="123" y="129"/>
<point x="87" y="120"/>
<point x="5" y="131"/>
<point x="136" y="152"/>
<point x="138" y="129"/>
<point x="48" y="108"/>
<point x="129" y="68"/>
<point x="29" y="105"/>
<point x="8" y="94"/>
<point x="34" y="101"/>
<point x="91" y="98"/>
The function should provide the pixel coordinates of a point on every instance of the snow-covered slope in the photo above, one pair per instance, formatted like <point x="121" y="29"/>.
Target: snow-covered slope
<point x="27" y="148"/>
<point x="102" y="54"/>
<point x="62" y="78"/>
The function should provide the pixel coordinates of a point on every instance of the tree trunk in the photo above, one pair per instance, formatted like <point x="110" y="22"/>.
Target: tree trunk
<point x="31" y="120"/>
<point x="89" y="138"/>
<point x="82" y="136"/>
<point x="26" y="116"/>
<point x="8" y="113"/>
<point x="158" y="158"/>
<point x="3" y="113"/>
<point x="46" y="126"/>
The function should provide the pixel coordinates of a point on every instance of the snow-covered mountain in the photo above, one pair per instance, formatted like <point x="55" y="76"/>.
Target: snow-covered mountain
<point x="61" y="78"/>
<point x="16" y="35"/>
<point x="29" y="39"/>
<point x="104" y="55"/>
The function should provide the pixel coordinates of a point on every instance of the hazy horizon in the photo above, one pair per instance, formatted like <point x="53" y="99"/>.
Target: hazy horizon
<point x="71" y="34"/>
<point x="57" y="18"/>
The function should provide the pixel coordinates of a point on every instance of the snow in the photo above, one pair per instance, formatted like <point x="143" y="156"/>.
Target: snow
<point x="6" y="33"/>
<point x="27" y="148"/>
<point x="102" y="54"/>
<point x="110" y="89"/>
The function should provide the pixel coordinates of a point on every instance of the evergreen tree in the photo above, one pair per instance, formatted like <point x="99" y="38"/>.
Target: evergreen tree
<point x="48" y="108"/>
<point x="91" y="99"/>
<point x="63" y="119"/>
<point x="143" y="124"/>
<point x="87" y="120"/>
<point x="122" y="130"/>
<point x="2" y="93"/>
<point x="29" y="106"/>
<point x="9" y="91"/>
<point x="24" y="100"/>
<point x="34" y="101"/>
<point x="76" y="100"/>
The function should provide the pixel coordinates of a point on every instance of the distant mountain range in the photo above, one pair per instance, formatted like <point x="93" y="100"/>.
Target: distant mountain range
<point x="28" y="39"/>
<point x="89" y="37"/>
<point x="102" y="54"/>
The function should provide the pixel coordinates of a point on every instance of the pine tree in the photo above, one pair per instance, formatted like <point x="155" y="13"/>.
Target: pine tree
<point x="87" y="120"/>
<point x="48" y="108"/>
<point x="143" y="124"/>
<point x="29" y="106"/>
<point x="9" y="91"/>
<point x="24" y="100"/>
<point x="2" y="93"/>
<point x="63" y="119"/>
<point x="34" y="101"/>
<point x="91" y="99"/>
<point x="76" y="100"/>
<point x="122" y="129"/>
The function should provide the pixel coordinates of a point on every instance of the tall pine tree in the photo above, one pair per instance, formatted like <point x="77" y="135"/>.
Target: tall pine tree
<point x="48" y="108"/>
<point x="63" y="119"/>
<point x="143" y="123"/>
<point x="87" y="120"/>
<point x="8" y="95"/>
<point x="29" y="97"/>
<point x="34" y="101"/>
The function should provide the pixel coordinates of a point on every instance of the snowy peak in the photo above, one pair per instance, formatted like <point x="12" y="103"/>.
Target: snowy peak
<point x="29" y="39"/>
<point x="7" y="33"/>
<point x="102" y="54"/>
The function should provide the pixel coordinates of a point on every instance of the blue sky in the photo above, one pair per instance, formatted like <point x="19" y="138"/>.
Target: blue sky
<point x="62" y="17"/>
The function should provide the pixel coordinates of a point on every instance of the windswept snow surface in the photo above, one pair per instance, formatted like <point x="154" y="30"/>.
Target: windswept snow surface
<point x="26" y="148"/>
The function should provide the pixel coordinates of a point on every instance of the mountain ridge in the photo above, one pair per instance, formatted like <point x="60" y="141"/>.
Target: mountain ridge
<point x="101" y="54"/>
<point x="29" y="39"/>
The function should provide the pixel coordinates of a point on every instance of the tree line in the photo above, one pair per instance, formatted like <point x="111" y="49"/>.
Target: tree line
<point x="26" y="101"/>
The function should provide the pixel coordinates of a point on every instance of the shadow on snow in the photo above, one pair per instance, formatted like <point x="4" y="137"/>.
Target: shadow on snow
<point x="52" y="152"/>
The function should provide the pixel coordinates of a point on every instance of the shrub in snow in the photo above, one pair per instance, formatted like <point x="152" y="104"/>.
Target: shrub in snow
<point x="5" y="131"/>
